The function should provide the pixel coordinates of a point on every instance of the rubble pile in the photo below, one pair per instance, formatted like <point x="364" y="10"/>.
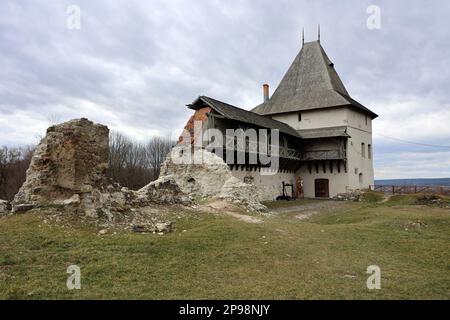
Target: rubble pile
<point x="351" y="195"/>
<point x="415" y="225"/>
<point x="201" y="174"/>
<point x="238" y="192"/>
<point x="165" y="190"/>
<point x="69" y="170"/>
<point x="5" y="208"/>
<point x="432" y="200"/>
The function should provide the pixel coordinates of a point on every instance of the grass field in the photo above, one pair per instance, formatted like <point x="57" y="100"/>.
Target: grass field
<point x="219" y="257"/>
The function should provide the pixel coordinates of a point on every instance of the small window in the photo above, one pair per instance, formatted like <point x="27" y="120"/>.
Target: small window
<point x="366" y="121"/>
<point x="369" y="151"/>
<point x="363" y="150"/>
<point x="299" y="117"/>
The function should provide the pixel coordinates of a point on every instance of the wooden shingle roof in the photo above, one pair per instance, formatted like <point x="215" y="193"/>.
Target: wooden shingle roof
<point x="311" y="82"/>
<point x="234" y="113"/>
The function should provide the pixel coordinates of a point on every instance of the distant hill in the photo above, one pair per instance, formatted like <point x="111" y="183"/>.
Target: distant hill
<point x="417" y="182"/>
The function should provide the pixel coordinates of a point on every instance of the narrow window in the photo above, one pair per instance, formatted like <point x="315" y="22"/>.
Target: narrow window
<point x="299" y="117"/>
<point x="369" y="151"/>
<point x="363" y="150"/>
<point x="366" y="120"/>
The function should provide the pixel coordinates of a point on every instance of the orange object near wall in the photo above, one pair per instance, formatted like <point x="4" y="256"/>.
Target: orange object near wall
<point x="299" y="191"/>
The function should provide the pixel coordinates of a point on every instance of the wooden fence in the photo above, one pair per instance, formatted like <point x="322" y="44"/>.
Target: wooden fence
<point x="391" y="189"/>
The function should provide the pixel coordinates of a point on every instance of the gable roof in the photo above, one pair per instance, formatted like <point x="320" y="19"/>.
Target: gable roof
<point x="311" y="82"/>
<point x="234" y="113"/>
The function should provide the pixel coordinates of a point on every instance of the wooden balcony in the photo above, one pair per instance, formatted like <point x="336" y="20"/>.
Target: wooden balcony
<point x="323" y="155"/>
<point x="284" y="152"/>
<point x="290" y="153"/>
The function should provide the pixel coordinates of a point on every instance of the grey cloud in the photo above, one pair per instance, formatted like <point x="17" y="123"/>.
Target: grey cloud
<point x="134" y="65"/>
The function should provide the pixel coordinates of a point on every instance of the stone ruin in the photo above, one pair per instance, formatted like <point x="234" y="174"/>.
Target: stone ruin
<point x="350" y="195"/>
<point x="69" y="162"/>
<point x="5" y="207"/>
<point x="202" y="174"/>
<point x="69" y="168"/>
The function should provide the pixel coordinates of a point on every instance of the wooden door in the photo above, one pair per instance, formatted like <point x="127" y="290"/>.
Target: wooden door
<point x="322" y="188"/>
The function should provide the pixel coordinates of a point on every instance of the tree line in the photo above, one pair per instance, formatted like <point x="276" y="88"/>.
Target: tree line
<point x="132" y="164"/>
<point x="14" y="163"/>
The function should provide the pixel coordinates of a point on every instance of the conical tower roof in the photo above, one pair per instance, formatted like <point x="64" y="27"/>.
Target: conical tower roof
<point x="311" y="82"/>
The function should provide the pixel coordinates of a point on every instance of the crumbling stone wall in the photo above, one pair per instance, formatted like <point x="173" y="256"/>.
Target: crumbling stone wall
<point x="70" y="164"/>
<point x="71" y="159"/>
<point x="203" y="174"/>
<point x="200" y="115"/>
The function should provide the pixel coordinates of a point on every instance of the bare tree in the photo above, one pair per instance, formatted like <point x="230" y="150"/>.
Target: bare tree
<point x="119" y="146"/>
<point x="156" y="151"/>
<point x="53" y="119"/>
<point x="133" y="164"/>
<point x="14" y="163"/>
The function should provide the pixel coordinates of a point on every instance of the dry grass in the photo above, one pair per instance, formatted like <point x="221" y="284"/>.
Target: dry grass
<point x="219" y="257"/>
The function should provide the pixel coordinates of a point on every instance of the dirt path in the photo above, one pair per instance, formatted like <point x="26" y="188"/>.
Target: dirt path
<point x="303" y="211"/>
<point x="307" y="210"/>
<point x="223" y="207"/>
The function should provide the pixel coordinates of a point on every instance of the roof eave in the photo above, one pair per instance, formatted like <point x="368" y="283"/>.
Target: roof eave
<point x="193" y="104"/>
<point x="206" y="99"/>
<point x="372" y="114"/>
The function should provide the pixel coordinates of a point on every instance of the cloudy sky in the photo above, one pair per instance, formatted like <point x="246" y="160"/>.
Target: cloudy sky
<point x="134" y="65"/>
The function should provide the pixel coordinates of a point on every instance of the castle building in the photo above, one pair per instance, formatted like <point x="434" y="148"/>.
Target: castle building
<point x="325" y="136"/>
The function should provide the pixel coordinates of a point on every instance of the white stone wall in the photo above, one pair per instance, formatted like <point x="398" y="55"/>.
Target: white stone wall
<point x="269" y="186"/>
<point x="357" y="164"/>
<point x="359" y="120"/>
<point x="338" y="182"/>
<point x="359" y="127"/>
<point x="313" y="119"/>
<point x="360" y="130"/>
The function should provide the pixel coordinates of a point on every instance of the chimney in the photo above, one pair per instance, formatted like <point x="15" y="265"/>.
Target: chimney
<point x="266" y="92"/>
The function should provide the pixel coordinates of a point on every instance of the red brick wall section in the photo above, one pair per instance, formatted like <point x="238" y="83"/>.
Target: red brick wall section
<point x="199" y="115"/>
